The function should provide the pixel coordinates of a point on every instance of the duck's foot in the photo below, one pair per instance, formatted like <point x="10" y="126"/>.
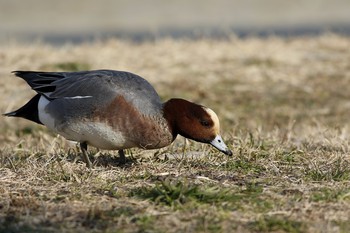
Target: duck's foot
<point x="85" y="157"/>
<point x="122" y="159"/>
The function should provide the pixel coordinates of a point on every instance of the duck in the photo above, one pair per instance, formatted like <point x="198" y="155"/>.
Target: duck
<point x="114" y="110"/>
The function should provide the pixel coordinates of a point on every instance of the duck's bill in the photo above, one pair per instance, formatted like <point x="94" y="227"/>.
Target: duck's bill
<point x="219" y="144"/>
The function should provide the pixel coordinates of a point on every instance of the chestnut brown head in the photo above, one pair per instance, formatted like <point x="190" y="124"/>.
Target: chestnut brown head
<point x="195" y="122"/>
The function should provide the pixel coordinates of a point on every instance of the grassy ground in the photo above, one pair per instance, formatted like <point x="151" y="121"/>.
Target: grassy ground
<point x="284" y="106"/>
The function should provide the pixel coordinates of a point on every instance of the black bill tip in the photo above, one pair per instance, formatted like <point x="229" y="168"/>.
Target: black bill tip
<point x="227" y="152"/>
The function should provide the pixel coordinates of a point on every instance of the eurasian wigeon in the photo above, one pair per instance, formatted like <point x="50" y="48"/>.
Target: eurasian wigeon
<point x="114" y="110"/>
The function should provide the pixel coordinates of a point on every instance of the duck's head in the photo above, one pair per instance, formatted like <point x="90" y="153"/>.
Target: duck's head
<point x="195" y="122"/>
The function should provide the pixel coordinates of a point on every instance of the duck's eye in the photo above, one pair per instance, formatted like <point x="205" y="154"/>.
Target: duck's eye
<point x="204" y="123"/>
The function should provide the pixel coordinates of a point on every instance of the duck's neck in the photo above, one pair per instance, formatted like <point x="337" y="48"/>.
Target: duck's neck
<point x="176" y="112"/>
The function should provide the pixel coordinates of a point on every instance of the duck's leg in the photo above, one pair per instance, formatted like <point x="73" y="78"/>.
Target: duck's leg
<point x="83" y="147"/>
<point x="122" y="158"/>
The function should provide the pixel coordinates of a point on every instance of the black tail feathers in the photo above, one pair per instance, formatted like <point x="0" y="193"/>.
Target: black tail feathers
<point x="29" y="111"/>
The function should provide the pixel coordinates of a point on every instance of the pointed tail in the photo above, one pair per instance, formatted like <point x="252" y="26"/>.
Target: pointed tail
<point x="28" y="111"/>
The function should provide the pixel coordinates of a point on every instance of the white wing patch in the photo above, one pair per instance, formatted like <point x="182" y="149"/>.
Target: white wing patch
<point x="78" y="97"/>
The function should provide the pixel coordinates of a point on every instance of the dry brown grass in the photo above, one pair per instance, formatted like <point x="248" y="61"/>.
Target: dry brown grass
<point x="284" y="106"/>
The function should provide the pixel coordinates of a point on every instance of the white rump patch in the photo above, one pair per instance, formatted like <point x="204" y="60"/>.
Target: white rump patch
<point x="44" y="117"/>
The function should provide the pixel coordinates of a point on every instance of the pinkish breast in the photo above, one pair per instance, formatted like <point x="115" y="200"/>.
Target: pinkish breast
<point x="148" y="132"/>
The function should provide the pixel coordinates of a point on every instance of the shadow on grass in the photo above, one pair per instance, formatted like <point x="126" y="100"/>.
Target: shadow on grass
<point x="12" y="224"/>
<point x="98" y="158"/>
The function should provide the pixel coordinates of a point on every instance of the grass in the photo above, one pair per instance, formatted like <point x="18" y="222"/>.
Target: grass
<point x="272" y="224"/>
<point x="338" y="170"/>
<point x="181" y="194"/>
<point x="330" y="195"/>
<point x="284" y="110"/>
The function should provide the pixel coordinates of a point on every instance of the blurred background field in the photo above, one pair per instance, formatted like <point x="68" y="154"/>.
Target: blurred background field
<point x="282" y="99"/>
<point x="77" y="21"/>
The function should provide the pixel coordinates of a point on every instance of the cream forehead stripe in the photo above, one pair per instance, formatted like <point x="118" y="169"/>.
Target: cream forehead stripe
<point x="215" y="119"/>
